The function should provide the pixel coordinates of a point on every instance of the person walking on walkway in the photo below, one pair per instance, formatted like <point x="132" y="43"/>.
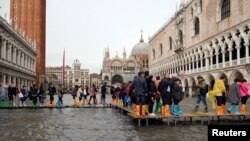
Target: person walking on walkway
<point x="25" y="95"/>
<point x="103" y="93"/>
<point x="151" y="95"/>
<point x="85" y="94"/>
<point x="158" y="95"/>
<point x="217" y="93"/>
<point x="139" y="86"/>
<point x="166" y="94"/>
<point x="34" y="95"/>
<point x="93" y="92"/>
<point x="3" y="95"/>
<point x="74" y="95"/>
<point x="201" y="92"/>
<point x="244" y="93"/>
<point x="41" y="95"/>
<point x="233" y="97"/>
<point x="177" y="96"/>
<point x="60" y="94"/>
<point x="52" y="91"/>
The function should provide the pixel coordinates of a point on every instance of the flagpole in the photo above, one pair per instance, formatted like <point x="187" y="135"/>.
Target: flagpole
<point x="63" y="66"/>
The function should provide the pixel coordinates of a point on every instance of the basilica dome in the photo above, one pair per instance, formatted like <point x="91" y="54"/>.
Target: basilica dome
<point x="140" y="48"/>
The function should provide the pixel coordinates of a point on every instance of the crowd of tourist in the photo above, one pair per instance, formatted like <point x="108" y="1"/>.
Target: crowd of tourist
<point x="147" y="96"/>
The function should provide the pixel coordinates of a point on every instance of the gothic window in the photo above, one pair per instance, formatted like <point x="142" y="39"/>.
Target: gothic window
<point x="170" y="43"/>
<point x="153" y="53"/>
<point x="225" y="9"/>
<point x="161" y="49"/>
<point x="180" y="37"/>
<point x="196" y="26"/>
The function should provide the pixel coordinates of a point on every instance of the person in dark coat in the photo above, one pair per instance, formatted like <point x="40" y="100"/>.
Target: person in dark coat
<point x="177" y="96"/>
<point x="233" y="97"/>
<point x="139" y="86"/>
<point x="166" y="95"/>
<point x="103" y="92"/>
<point x="52" y="91"/>
<point x="151" y="95"/>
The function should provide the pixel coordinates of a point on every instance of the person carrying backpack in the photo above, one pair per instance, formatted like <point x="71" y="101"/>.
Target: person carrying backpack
<point x="202" y="90"/>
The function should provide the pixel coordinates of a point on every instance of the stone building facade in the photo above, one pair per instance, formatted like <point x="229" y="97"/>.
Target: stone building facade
<point x="95" y="79"/>
<point x="121" y="70"/>
<point x="17" y="57"/>
<point x="72" y="75"/>
<point x="209" y="38"/>
<point x="29" y="18"/>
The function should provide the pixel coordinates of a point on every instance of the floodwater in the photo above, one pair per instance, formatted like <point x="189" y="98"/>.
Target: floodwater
<point x="89" y="124"/>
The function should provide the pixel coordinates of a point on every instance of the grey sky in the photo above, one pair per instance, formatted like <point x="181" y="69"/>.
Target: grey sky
<point x="85" y="27"/>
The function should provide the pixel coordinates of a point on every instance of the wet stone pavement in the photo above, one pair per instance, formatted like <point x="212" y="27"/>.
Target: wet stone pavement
<point x="90" y="124"/>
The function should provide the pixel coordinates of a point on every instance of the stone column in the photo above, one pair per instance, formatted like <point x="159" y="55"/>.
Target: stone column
<point x="9" y="79"/>
<point x="201" y="62"/>
<point x="211" y="60"/>
<point x="207" y="60"/>
<point x="193" y="61"/>
<point x="238" y="51"/>
<point x="14" y="55"/>
<point x="14" y="80"/>
<point x="3" y="49"/>
<point x="190" y="91"/>
<point x="246" y="40"/>
<point x="4" y="79"/>
<point x="223" y="51"/>
<point x="197" y="63"/>
<point x="189" y="65"/>
<point x="10" y="52"/>
<point x="217" y="58"/>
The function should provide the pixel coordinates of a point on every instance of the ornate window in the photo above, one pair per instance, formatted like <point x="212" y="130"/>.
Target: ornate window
<point x="225" y="9"/>
<point x="196" y="26"/>
<point x="180" y="37"/>
<point x="170" y="43"/>
<point x="161" y="49"/>
<point x="153" y="53"/>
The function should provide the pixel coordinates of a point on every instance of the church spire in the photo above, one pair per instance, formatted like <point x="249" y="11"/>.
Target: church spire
<point x="141" y="40"/>
<point x="124" y="53"/>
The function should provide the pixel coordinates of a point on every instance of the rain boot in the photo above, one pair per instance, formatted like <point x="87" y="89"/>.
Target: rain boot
<point x="134" y="108"/>
<point x="157" y="108"/>
<point x="196" y="108"/>
<point x="219" y="110"/>
<point x="229" y="108"/>
<point x="1" y="104"/>
<point x="243" y="109"/>
<point x="147" y="110"/>
<point x="144" y="110"/>
<point x="9" y="103"/>
<point x="167" y="111"/>
<point x="163" y="110"/>
<point x="137" y="113"/>
<point x="206" y="110"/>
<point x="223" y="109"/>
<point x="236" y="110"/>
<point x="175" y="110"/>
<point x="179" y="109"/>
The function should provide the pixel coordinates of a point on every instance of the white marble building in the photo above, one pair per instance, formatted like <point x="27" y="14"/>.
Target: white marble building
<point x="17" y="57"/>
<point x="209" y="38"/>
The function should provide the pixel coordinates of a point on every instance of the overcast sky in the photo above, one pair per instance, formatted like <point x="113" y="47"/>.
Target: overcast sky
<point x="85" y="27"/>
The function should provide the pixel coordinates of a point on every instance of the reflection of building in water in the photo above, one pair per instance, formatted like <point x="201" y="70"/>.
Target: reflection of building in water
<point x="121" y="70"/>
<point x="73" y="76"/>
<point x="208" y="38"/>
<point x="17" y="57"/>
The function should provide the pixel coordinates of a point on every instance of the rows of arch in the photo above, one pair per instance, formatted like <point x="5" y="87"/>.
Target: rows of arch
<point x="225" y="50"/>
<point x="190" y="82"/>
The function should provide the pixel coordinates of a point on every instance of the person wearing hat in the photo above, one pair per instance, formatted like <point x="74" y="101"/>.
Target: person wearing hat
<point x="201" y="92"/>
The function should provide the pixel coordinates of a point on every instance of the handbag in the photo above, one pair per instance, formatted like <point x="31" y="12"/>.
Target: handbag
<point x="20" y="95"/>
